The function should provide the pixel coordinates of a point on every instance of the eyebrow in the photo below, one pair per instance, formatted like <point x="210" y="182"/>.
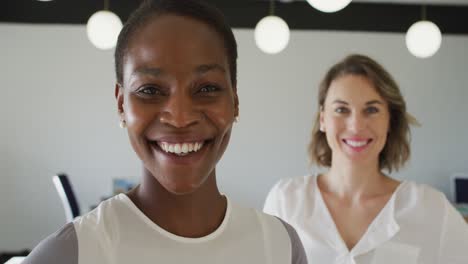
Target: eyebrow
<point x="199" y="70"/>
<point x="346" y="103"/>
<point x="374" y="102"/>
<point x="209" y="67"/>
<point x="340" y="102"/>
<point x="149" y="71"/>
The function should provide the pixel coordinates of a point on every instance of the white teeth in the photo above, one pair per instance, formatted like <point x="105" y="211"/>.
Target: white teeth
<point x="353" y="143"/>
<point x="177" y="149"/>
<point x="185" y="148"/>
<point x="200" y="145"/>
<point x="180" y="149"/>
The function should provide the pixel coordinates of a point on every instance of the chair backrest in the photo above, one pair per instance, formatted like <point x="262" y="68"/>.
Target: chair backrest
<point x="15" y="260"/>
<point x="459" y="188"/>
<point x="65" y="191"/>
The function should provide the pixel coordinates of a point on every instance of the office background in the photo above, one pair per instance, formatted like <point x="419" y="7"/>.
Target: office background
<point x="58" y="114"/>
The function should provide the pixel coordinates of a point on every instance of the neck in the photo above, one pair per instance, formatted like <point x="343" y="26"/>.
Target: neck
<point x="195" y="214"/>
<point x="349" y="179"/>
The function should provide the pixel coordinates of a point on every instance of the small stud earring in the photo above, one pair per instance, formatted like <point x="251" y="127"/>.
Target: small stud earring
<point x="122" y="124"/>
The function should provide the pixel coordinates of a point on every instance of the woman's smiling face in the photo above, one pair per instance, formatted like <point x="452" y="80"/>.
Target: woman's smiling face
<point x="178" y="100"/>
<point x="355" y="119"/>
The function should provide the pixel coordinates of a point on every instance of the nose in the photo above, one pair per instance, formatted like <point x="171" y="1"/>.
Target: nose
<point x="356" y="122"/>
<point x="180" y="111"/>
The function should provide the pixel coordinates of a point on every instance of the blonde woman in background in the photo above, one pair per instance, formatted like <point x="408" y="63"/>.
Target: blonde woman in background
<point x="355" y="212"/>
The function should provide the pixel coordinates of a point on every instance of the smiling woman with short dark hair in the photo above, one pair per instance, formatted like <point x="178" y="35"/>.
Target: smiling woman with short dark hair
<point x="177" y="99"/>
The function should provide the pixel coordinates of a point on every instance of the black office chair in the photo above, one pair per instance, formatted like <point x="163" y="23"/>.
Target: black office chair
<point x="459" y="188"/>
<point x="6" y="256"/>
<point x="65" y="191"/>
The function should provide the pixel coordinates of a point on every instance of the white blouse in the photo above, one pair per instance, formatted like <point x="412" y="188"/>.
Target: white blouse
<point x="417" y="225"/>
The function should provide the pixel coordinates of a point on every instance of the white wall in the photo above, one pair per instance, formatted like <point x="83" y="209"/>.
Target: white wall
<point x="57" y="113"/>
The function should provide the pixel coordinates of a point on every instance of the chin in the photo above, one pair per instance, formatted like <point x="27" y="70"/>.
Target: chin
<point x="182" y="189"/>
<point x="183" y="185"/>
<point x="364" y="160"/>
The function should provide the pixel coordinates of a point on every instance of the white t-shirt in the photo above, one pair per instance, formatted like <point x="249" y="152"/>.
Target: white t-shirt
<point x="117" y="232"/>
<point x="417" y="225"/>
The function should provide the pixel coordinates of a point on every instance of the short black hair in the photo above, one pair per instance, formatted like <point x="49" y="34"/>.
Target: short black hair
<point x="196" y="9"/>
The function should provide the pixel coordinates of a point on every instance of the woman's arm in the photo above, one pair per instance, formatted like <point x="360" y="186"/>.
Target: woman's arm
<point x="59" y="248"/>
<point x="454" y="237"/>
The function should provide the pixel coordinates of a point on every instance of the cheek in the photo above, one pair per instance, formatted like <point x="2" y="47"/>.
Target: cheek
<point x="382" y="126"/>
<point x="220" y="119"/>
<point x="138" y="116"/>
<point x="384" y="132"/>
<point x="334" y="124"/>
<point x="330" y="130"/>
<point x="334" y="127"/>
<point x="221" y="115"/>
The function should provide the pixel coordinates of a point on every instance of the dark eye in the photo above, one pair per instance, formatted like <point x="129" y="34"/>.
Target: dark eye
<point x="372" y="110"/>
<point x="209" y="89"/>
<point x="341" y="110"/>
<point x="149" y="90"/>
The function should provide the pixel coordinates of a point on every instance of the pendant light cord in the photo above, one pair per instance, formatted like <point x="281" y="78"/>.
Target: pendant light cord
<point x="272" y="7"/>
<point x="423" y="12"/>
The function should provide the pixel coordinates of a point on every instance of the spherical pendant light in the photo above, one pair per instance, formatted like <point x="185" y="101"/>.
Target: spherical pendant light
<point x="423" y="39"/>
<point x="271" y="34"/>
<point x="329" y="6"/>
<point x="103" y="28"/>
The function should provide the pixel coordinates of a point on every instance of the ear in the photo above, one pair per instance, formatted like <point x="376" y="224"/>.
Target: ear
<point x="322" y="119"/>
<point x="236" y="102"/>
<point x="119" y="97"/>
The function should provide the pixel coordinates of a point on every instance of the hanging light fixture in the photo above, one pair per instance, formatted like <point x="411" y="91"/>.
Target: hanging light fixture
<point x="103" y="28"/>
<point x="272" y="33"/>
<point x="423" y="38"/>
<point x="329" y="6"/>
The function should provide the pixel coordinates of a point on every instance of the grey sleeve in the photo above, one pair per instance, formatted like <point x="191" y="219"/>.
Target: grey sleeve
<point x="59" y="248"/>
<point x="297" y="249"/>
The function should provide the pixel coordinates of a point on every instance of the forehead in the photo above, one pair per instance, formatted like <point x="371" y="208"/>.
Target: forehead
<point x="353" y="89"/>
<point x="169" y="40"/>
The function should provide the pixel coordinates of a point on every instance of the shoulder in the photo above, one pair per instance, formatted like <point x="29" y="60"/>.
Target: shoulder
<point x="59" y="248"/>
<point x="287" y="194"/>
<point x="417" y="194"/>
<point x="67" y="244"/>
<point x="101" y="225"/>
<point x="279" y="235"/>
<point x="436" y="220"/>
<point x="291" y="185"/>
<point x="298" y="255"/>
<point x="421" y="202"/>
<point x="254" y="220"/>
<point x="104" y="214"/>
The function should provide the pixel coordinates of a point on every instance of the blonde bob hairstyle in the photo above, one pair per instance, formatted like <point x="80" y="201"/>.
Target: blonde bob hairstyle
<point x="396" y="151"/>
